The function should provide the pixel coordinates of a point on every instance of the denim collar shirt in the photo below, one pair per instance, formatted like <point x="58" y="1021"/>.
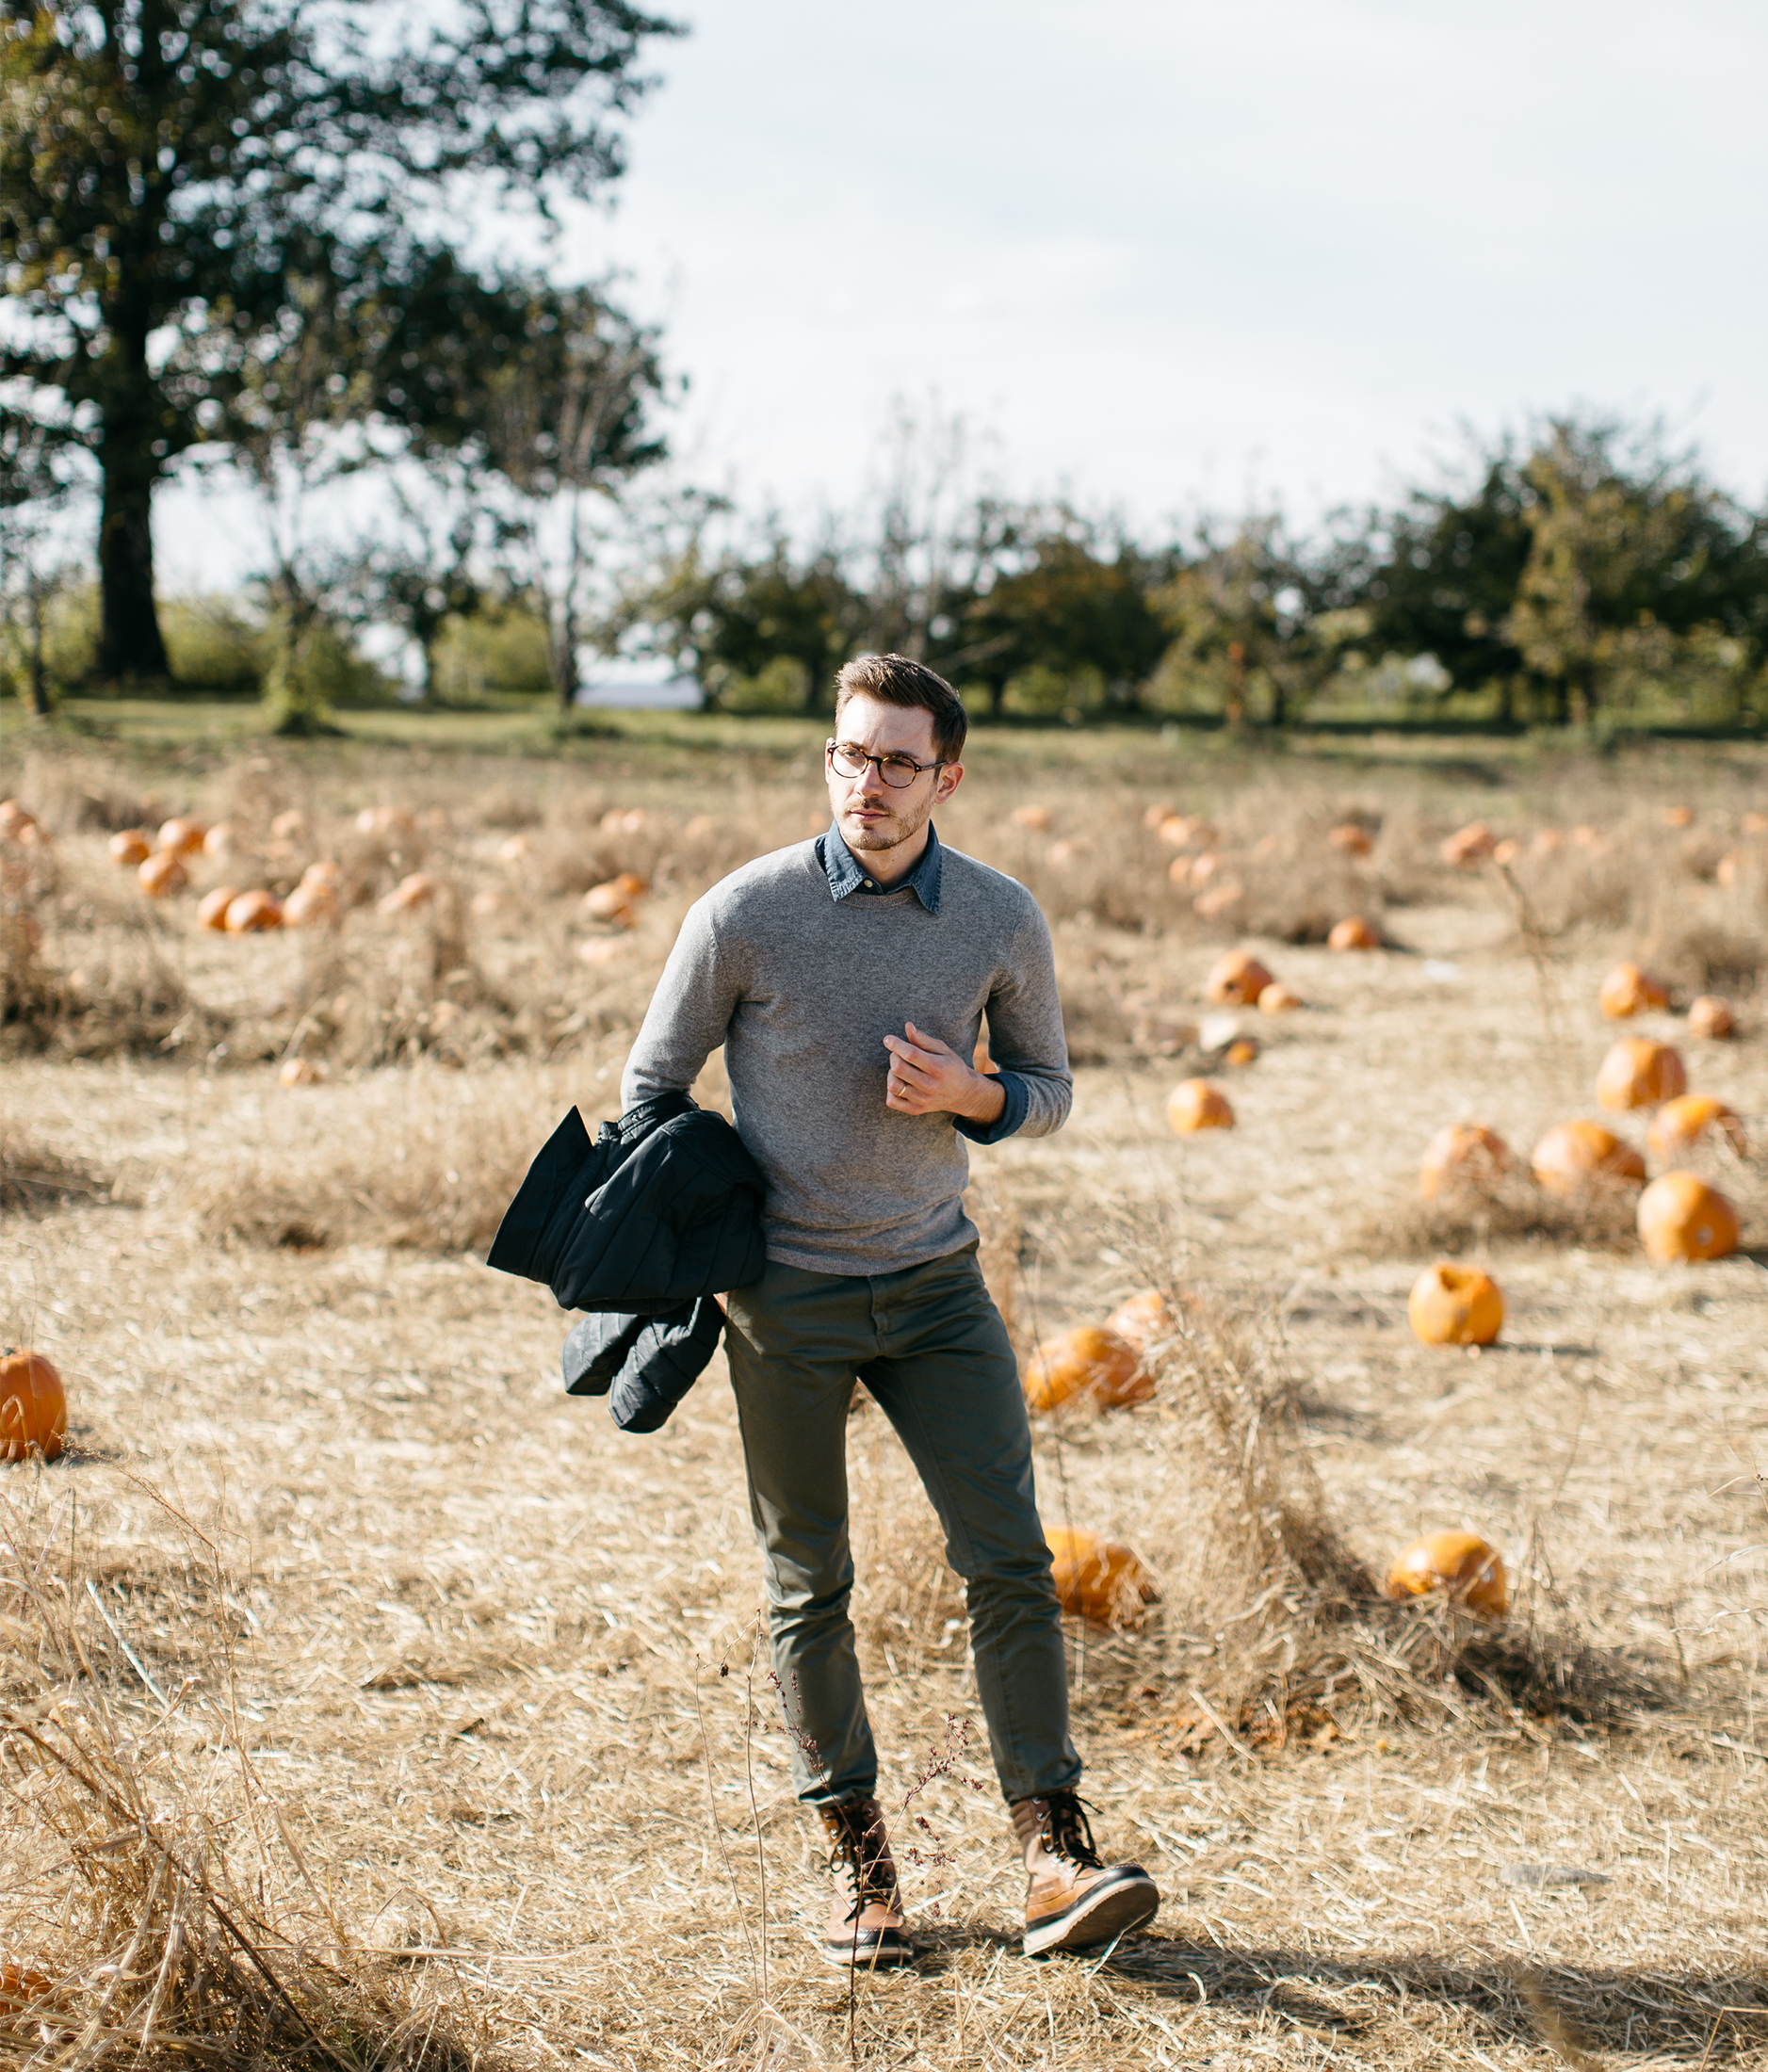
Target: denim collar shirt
<point x="845" y="874"/>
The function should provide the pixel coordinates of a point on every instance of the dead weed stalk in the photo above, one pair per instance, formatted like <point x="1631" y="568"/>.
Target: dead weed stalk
<point x="151" y="1918"/>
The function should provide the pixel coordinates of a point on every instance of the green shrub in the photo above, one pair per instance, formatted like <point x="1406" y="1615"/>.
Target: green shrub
<point x="1043" y="693"/>
<point x="324" y="673"/>
<point x="215" y="644"/>
<point x="498" y="651"/>
<point x="778" y="688"/>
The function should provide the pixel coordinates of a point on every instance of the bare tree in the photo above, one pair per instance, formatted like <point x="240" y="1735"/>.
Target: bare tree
<point x="566" y="431"/>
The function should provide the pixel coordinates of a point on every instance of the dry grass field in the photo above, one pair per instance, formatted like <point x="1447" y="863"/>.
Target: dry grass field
<point x="363" y="1700"/>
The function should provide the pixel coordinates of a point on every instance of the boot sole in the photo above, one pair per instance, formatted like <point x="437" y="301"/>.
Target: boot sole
<point x="1100" y="1917"/>
<point x="881" y="1957"/>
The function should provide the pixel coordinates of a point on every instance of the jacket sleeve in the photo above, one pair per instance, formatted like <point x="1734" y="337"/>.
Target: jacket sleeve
<point x="1025" y="1036"/>
<point x="688" y="1015"/>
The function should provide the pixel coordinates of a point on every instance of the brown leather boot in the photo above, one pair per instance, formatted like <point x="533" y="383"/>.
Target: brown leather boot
<point x="866" y="1925"/>
<point x="1072" y="1901"/>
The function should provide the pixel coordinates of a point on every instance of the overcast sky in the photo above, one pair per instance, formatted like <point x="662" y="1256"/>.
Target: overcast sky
<point x="1184" y="252"/>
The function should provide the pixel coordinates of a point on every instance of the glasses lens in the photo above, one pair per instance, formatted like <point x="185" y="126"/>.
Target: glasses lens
<point x="899" y="772"/>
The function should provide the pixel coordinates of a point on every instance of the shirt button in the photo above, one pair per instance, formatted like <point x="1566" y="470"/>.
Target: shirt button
<point x="869" y="886"/>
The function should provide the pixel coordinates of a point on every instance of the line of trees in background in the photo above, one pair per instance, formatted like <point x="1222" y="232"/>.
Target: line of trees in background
<point x="236" y="234"/>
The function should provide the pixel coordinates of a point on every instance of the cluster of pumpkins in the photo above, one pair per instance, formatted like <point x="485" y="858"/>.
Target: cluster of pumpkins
<point x="1108" y="1365"/>
<point x="1475" y="844"/>
<point x="1109" y="1584"/>
<point x="161" y="865"/>
<point x="33" y="1406"/>
<point x="1679" y="1216"/>
<point x="18" y="824"/>
<point x="1236" y="980"/>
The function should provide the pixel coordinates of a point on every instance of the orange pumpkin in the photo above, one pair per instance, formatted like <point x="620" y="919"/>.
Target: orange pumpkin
<point x="1461" y="1155"/>
<point x="1575" y="1156"/>
<point x="1236" y="980"/>
<point x="298" y="1071"/>
<point x="1627" y="991"/>
<point x="1755" y="823"/>
<point x="21" y="1986"/>
<point x="1685" y="1120"/>
<point x="1549" y="842"/>
<point x="14" y="818"/>
<point x="1468" y="844"/>
<point x="1350" y="839"/>
<point x="1729" y="869"/>
<point x="1507" y="851"/>
<point x="1194" y="1105"/>
<point x="1470" y="1568"/>
<point x="161" y="875"/>
<point x="212" y="909"/>
<point x="1143" y="1320"/>
<point x="1161" y="810"/>
<point x="312" y="899"/>
<point x="181" y="837"/>
<point x="289" y="825"/>
<point x="1677" y="816"/>
<point x="1097" y="1579"/>
<point x="1710" y="1017"/>
<point x="1682" y="1218"/>
<point x="252" y="912"/>
<point x="1087" y="1360"/>
<point x="610" y="903"/>
<point x="130" y="847"/>
<point x="33" y="1406"/>
<point x="631" y="884"/>
<point x="1638" y="1072"/>
<point x="1218" y="900"/>
<point x="1454" y="1305"/>
<point x="415" y="890"/>
<point x="1277" y="998"/>
<point x="1354" y="933"/>
<point x="1177" y="829"/>
<point x="1040" y="819"/>
<point x="221" y="841"/>
<point x="1242" y="1052"/>
<point x="385" y="821"/>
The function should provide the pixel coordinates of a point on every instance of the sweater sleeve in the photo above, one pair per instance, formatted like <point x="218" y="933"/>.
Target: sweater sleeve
<point x="1024" y="1033"/>
<point x="688" y="1015"/>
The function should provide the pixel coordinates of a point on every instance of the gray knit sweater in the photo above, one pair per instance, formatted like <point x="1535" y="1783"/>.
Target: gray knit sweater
<point x="802" y="987"/>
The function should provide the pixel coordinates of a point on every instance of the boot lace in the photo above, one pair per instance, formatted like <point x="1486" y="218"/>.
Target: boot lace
<point x="1066" y="1831"/>
<point x="862" y="1852"/>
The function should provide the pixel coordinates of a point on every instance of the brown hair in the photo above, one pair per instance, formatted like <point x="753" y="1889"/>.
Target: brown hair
<point x="894" y="680"/>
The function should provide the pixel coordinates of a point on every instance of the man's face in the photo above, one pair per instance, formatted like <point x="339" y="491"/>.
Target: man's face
<point x="870" y="813"/>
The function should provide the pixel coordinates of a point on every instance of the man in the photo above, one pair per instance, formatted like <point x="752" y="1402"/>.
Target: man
<point x="847" y="979"/>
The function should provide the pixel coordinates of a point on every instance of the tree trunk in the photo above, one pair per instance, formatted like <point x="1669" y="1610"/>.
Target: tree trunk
<point x="39" y="683"/>
<point x="129" y="641"/>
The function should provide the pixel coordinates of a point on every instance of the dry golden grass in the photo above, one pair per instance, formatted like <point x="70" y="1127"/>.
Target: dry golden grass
<point x="458" y="1760"/>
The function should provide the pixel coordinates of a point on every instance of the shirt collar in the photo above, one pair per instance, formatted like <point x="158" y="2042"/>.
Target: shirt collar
<point x="846" y="875"/>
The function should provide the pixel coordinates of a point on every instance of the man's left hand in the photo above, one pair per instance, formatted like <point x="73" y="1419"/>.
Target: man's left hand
<point x="928" y="1077"/>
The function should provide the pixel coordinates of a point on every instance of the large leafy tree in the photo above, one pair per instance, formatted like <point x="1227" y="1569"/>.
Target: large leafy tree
<point x="1053" y="594"/>
<point x="173" y="174"/>
<point x="726" y="617"/>
<point x="1550" y="561"/>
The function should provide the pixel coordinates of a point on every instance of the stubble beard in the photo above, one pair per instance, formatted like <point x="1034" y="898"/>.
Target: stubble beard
<point x="898" y="829"/>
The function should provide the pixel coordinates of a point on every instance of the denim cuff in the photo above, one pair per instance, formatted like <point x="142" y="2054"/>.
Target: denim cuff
<point x="1019" y="1099"/>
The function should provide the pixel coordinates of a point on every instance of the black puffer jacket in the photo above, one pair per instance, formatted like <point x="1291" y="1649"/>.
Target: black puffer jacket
<point x="664" y="1207"/>
<point x="641" y="1228"/>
